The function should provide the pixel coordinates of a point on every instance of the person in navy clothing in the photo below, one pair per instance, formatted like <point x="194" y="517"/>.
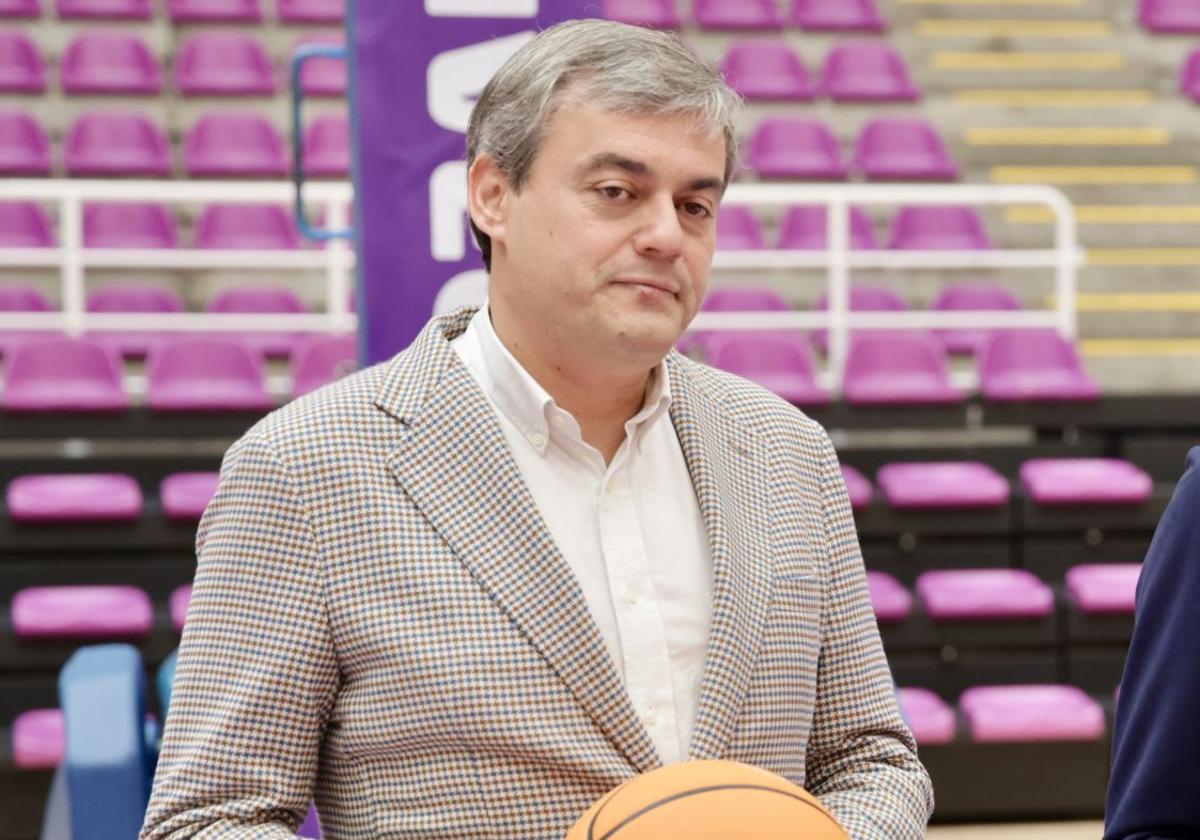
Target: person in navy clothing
<point x="1154" y="789"/>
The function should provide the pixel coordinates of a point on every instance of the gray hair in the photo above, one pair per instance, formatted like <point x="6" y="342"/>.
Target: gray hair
<point x="614" y="66"/>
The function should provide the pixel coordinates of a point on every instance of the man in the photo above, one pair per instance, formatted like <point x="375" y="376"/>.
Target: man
<point x="1154" y="789"/>
<point x="467" y="592"/>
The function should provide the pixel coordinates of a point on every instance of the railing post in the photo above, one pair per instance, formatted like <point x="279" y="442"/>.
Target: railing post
<point x="337" y="275"/>
<point x="1067" y="251"/>
<point x="72" y="291"/>
<point x="838" y="293"/>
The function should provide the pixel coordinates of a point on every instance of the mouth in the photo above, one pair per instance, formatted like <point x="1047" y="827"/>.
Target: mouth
<point x="651" y="284"/>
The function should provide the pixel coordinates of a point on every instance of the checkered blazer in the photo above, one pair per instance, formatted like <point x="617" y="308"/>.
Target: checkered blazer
<point x="381" y="622"/>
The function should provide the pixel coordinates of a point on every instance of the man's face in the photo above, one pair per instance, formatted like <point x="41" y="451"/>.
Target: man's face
<point x="606" y="249"/>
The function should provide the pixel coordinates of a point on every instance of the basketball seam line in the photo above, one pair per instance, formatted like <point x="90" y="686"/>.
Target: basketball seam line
<point x="672" y="798"/>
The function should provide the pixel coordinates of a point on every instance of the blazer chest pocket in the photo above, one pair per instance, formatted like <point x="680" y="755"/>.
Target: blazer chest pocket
<point x="797" y="594"/>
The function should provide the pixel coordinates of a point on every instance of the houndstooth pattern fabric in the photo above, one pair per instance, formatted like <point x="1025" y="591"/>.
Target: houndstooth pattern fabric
<point x="381" y="621"/>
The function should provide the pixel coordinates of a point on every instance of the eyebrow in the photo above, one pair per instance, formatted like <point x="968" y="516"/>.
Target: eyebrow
<point x="604" y="160"/>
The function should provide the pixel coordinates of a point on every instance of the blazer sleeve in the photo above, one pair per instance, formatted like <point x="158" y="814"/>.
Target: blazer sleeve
<point x="256" y="675"/>
<point x="862" y="759"/>
<point x="1154" y="787"/>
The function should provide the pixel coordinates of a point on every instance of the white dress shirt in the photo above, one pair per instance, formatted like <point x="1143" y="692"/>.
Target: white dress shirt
<point x="630" y="530"/>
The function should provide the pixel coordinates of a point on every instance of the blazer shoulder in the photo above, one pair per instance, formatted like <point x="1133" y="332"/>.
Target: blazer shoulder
<point x="747" y="403"/>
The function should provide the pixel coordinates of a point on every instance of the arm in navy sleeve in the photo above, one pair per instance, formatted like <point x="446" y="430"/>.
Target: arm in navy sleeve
<point x="1154" y="789"/>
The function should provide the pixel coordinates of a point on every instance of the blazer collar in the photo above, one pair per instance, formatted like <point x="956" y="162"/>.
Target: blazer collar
<point x="453" y="461"/>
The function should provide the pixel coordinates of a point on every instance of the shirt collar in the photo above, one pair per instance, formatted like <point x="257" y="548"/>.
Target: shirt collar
<point x="528" y="406"/>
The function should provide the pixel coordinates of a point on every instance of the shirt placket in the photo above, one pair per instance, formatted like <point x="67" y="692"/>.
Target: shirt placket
<point x="643" y="637"/>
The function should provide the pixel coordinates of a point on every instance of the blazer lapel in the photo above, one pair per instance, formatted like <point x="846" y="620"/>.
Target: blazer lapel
<point x="453" y="461"/>
<point x="728" y="465"/>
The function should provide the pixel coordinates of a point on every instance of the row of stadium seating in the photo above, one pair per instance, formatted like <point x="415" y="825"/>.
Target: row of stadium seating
<point x="206" y="64"/>
<point x="219" y="144"/>
<point x="919" y="228"/>
<point x="182" y="11"/>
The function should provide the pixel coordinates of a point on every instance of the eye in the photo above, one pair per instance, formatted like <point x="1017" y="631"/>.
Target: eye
<point x="614" y="192"/>
<point x="696" y="209"/>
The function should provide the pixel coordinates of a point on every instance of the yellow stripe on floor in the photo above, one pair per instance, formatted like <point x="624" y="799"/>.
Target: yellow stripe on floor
<point x="1144" y="256"/>
<point x="934" y="28"/>
<point x="1027" y="61"/>
<point x="1110" y="214"/>
<point x="1127" y="175"/>
<point x="1140" y="347"/>
<point x="1134" y="302"/>
<point x="1065" y="136"/>
<point x="1054" y="98"/>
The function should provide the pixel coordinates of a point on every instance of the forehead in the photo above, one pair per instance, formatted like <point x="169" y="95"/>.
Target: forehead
<point x="581" y="136"/>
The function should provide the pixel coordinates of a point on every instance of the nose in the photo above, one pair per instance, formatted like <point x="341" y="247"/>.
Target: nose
<point x="659" y="234"/>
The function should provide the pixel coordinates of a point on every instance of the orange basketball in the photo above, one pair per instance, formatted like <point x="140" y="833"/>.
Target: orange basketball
<point x="707" y="800"/>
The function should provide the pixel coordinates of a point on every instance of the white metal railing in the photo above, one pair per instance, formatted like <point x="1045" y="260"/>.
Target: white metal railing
<point x="336" y="259"/>
<point x="837" y="259"/>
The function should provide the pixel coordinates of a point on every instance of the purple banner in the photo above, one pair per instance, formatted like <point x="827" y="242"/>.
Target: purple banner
<point x="419" y="65"/>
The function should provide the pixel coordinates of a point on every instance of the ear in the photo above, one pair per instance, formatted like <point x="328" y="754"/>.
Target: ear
<point x="487" y="193"/>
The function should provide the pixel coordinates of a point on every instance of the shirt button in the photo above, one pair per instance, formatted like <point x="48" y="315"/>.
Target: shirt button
<point x="631" y="597"/>
<point x="651" y="717"/>
<point x="537" y="439"/>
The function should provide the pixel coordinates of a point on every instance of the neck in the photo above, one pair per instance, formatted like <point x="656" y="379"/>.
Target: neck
<point x="601" y="399"/>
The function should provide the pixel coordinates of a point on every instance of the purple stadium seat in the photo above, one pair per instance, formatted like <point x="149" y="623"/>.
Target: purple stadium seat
<point x="24" y="224"/>
<point x="321" y="359"/>
<point x="795" y="147"/>
<point x="311" y="11"/>
<point x="20" y="9"/>
<point x="942" y="485"/>
<point x="736" y="14"/>
<point x="234" y="143"/>
<point x="863" y="298"/>
<point x="778" y="361"/>
<point x="178" y="605"/>
<point x="24" y="146"/>
<point x="21" y="67"/>
<point x="81" y="612"/>
<point x="803" y="228"/>
<point x="889" y="599"/>
<point x="858" y="487"/>
<point x="898" y="368"/>
<point x="39" y="739"/>
<point x="106" y="143"/>
<point x="184" y="496"/>
<point x="899" y="149"/>
<point x="1039" y="365"/>
<point x="1085" y="481"/>
<point x="1022" y="713"/>
<point x="109" y="62"/>
<point x="1104" y="588"/>
<point x="323" y="76"/>
<point x="214" y="11"/>
<point x="224" y="64"/>
<point x="15" y="298"/>
<point x="1189" y="75"/>
<point x="971" y="297"/>
<point x="837" y="16"/>
<point x="257" y="227"/>
<point x="206" y="374"/>
<point x="866" y="71"/>
<point x="744" y="299"/>
<point x="938" y="228"/>
<point x="123" y="224"/>
<point x="327" y="146"/>
<point x="983" y="594"/>
<point x="105" y="9"/>
<point x="658" y="14"/>
<point x="261" y="300"/>
<point x="767" y="70"/>
<point x="63" y="374"/>
<point x="94" y="497"/>
<point x="1172" y="17"/>
<point x="931" y="720"/>
<point x="738" y="229"/>
<point x="133" y="297"/>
